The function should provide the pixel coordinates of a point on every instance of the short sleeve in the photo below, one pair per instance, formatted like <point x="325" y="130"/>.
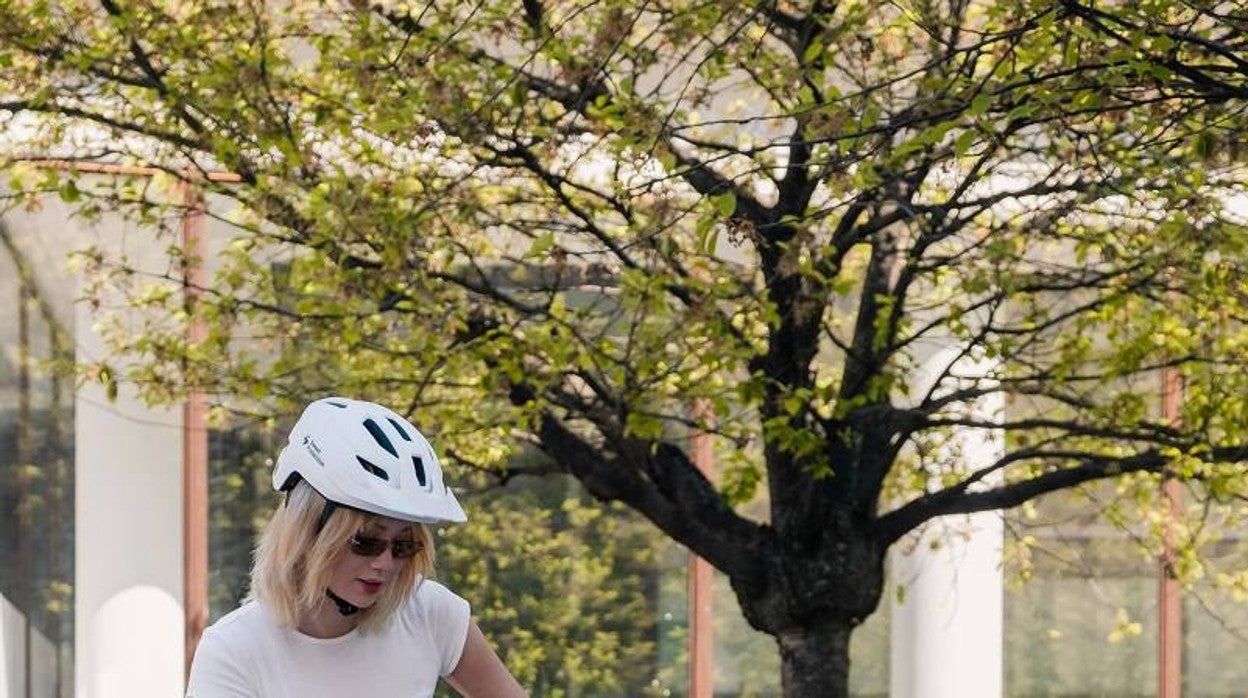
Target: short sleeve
<point x="215" y="673"/>
<point x="446" y="619"/>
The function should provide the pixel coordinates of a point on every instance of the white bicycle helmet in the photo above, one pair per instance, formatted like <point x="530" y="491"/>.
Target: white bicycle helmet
<point x="364" y="456"/>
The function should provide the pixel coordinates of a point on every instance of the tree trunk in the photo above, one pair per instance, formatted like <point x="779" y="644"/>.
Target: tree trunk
<point x="814" y="661"/>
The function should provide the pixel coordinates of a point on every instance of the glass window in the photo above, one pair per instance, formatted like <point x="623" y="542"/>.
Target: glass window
<point x="1215" y="623"/>
<point x="1085" y="623"/>
<point x="36" y="466"/>
<point x="241" y="499"/>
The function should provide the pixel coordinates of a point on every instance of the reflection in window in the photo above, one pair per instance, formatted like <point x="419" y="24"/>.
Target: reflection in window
<point x="1086" y="622"/>
<point x="36" y="477"/>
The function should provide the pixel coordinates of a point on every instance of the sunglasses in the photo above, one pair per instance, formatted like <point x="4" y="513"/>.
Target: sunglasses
<point x="367" y="546"/>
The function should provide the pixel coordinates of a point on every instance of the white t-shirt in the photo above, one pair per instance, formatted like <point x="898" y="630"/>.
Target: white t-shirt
<point x="246" y="654"/>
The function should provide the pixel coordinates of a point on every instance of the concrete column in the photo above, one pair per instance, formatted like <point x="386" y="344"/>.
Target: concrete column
<point x="12" y="651"/>
<point x="948" y="620"/>
<point x="128" y="558"/>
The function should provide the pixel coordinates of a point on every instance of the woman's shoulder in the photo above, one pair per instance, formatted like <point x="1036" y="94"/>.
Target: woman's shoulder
<point x="245" y="623"/>
<point x="431" y="590"/>
<point x="431" y="599"/>
<point x="441" y="616"/>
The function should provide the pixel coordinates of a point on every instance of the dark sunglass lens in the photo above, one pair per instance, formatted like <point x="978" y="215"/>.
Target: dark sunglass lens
<point x="404" y="548"/>
<point x="363" y="545"/>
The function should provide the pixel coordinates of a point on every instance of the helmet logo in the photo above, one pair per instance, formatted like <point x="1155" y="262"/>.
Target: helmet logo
<point x="313" y="450"/>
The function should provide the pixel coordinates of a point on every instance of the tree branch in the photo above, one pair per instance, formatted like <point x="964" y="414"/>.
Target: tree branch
<point x="664" y="486"/>
<point x="958" y="500"/>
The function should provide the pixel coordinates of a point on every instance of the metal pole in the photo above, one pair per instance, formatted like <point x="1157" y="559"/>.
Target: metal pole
<point x="194" y="441"/>
<point x="1170" y="597"/>
<point x="126" y="170"/>
<point x="25" y="482"/>
<point x="701" y="636"/>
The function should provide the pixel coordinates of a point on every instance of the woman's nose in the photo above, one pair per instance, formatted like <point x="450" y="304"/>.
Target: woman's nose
<point x="384" y="561"/>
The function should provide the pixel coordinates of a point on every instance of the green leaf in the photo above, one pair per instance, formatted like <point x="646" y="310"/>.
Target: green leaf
<point x="708" y="234"/>
<point x="69" y="192"/>
<point x="541" y="245"/>
<point x="980" y="104"/>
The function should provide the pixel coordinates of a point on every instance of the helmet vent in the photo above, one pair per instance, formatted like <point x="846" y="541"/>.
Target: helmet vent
<point x="399" y="428"/>
<point x="373" y="469"/>
<point x="380" y="437"/>
<point x="339" y="405"/>
<point x="420" y="471"/>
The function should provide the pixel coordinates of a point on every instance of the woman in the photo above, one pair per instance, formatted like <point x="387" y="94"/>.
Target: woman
<point x="340" y="604"/>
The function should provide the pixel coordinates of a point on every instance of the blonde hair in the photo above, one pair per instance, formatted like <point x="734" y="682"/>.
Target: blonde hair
<point x="293" y="564"/>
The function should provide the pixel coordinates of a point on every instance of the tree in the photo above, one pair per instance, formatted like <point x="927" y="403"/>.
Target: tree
<point x="824" y="233"/>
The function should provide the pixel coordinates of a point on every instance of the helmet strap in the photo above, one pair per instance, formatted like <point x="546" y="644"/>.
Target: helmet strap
<point x="325" y="513"/>
<point x="345" y="607"/>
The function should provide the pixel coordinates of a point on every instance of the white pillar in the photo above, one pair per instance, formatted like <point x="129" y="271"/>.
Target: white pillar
<point x="948" y="619"/>
<point x="128" y="553"/>
<point x="12" y="650"/>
